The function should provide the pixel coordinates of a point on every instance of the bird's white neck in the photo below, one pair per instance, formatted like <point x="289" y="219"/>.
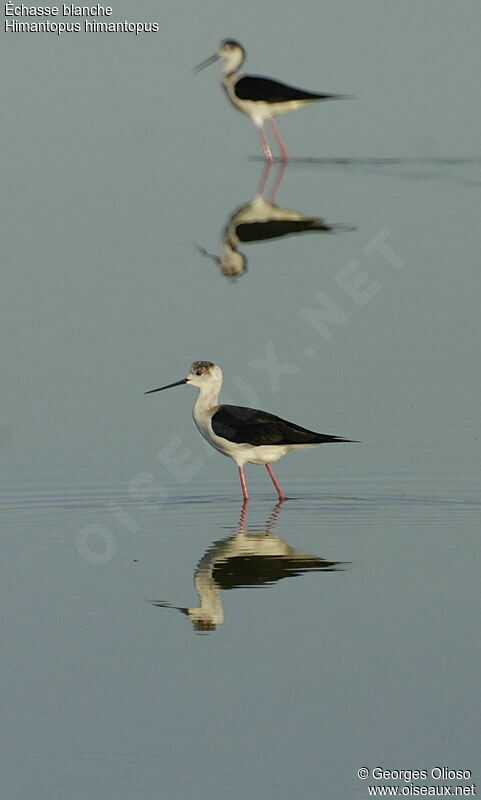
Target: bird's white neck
<point x="232" y="263"/>
<point x="232" y="63"/>
<point x="207" y="398"/>
<point x="210" y="610"/>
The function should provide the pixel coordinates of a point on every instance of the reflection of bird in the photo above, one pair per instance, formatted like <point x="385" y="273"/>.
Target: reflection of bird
<point x="245" y="560"/>
<point x="259" y="221"/>
<point x="262" y="220"/>
<point x="260" y="98"/>
<point x="243" y="434"/>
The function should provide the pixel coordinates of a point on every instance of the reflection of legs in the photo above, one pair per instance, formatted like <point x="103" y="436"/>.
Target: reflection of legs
<point x="280" y="143"/>
<point x="240" y="527"/>
<point x="243" y="483"/>
<point x="271" y="521"/>
<point x="277" y="182"/>
<point x="262" y="183"/>
<point x="265" y="144"/>
<point x="281" y="494"/>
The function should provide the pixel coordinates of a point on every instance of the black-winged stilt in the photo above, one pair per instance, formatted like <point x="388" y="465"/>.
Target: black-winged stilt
<point x="246" y="435"/>
<point x="260" y="98"/>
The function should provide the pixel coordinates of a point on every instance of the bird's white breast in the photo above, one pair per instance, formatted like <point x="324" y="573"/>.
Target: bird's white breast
<point x="239" y="452"/>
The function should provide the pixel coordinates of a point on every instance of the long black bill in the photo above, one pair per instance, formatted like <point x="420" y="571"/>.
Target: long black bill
<point x="205" y="253"/>
<point x="177" y="383"/>
<point x="160" y="604"/>
<point x="206" y="63"/>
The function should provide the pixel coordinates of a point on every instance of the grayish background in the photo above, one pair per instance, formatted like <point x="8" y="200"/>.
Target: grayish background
<point x="115" y="161"/>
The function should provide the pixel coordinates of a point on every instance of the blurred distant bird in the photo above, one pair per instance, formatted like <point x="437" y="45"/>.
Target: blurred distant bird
<point x="260" y="98"/>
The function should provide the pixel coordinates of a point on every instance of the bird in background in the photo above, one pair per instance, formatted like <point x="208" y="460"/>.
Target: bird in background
<point x="260" y="98"/>
<point x="246" y="435"/>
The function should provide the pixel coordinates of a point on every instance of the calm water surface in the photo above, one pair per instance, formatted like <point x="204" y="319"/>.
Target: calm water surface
<point x="156" y="641"/>
<point x="335" y="632"/>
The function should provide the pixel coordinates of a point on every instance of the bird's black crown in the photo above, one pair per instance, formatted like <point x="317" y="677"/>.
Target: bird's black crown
<point x="231" y="43"/>
<point x="201" y="365"/>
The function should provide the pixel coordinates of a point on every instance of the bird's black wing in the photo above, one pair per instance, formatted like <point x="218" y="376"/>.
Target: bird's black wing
<point x="275" y="228"/>
<point x="254" y="87"/>
<point x="252" y="570"/>
<point x="251" y="426"/>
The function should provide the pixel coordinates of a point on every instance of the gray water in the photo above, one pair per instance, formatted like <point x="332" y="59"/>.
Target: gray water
<point x="341" y="629"/>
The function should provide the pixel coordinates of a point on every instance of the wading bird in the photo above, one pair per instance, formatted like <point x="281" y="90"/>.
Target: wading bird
<point x="244" y="434"/>
<point x="260" y="98"/>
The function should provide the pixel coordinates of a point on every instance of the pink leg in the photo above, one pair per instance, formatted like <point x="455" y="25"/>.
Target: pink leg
<point x="281" y="494"/>
<point x="277" y="182"/>
<point x="265" y="144"/>
<point x="262" y="183"/>
<point x="280" y="143"/>
<point x="243" y="483"/>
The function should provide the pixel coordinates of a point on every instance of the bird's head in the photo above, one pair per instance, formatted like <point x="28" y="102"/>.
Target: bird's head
<point x="202" y="374"/>
<point x="229" y="51"/>
<point x="230" y="48"/>
<point x="233" y="263"/>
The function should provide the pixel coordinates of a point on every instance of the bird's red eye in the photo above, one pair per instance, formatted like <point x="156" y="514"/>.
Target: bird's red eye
<point x="200" y="372"/>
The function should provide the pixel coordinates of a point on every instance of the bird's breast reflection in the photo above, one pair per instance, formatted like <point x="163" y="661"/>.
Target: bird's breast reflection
<point x="247" y="559"/>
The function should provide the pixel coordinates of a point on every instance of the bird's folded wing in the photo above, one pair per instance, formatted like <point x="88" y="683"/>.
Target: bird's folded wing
<point x="254" y="87"/>
<point x="251" y="426"/>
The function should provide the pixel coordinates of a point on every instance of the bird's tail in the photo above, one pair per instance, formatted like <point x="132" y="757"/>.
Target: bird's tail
<point x="335" y="97"/>
<point x="325" y="438"/>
